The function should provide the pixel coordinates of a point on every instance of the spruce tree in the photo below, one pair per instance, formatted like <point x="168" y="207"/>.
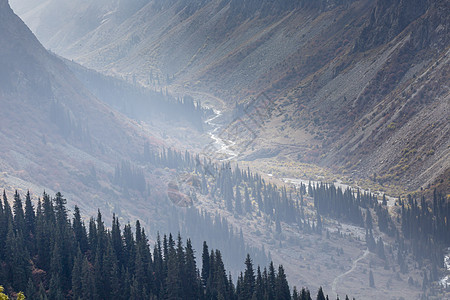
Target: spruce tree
<point x="30" y="292"/>
<point x="205" y="264"/>
<point x="79" y="230"/>
<point x="87" y="281"/>
<point x="191" y="289"/>
<point x="173" y="280"/>
<point x="19" y="216"/>
<point x="220" y="277"/>
<point x="249" y="279"/>
<point x="259" y="286"/>
<point x="320" y="295"/>
<point x="282" y="286"/>
<point x="77" y="289"/>
<point x="30" y="217"/>
<point x="17" y="259"/>
<point x="305" y="294"/>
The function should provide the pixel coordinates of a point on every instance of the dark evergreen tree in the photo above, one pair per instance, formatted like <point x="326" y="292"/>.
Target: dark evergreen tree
<point x="16" y="259"/>
<point x="295" y="294"/>
<point x="320" y="295"/>
<point x="282" y="287"/>
<point x="77" y="288"/>
<point x="192" y="283"/>
<point x="31" y="292"/>
<point x="259" y="285"/>
<point x="249" y="279"/>
<point x="306" y="295"/>
<point x="30" y="217"/>
<point x="79" y="230"/>
<point x="87" y="281"/>
<point x="19" y="216"/>
<point x="205" y="264"/>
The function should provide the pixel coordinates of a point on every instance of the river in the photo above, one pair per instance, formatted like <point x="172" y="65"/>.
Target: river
<point x="224" y="148"/>
<point x="445" y="281"/>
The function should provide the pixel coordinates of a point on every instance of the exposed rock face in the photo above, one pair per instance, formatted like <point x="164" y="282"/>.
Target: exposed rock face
<point x="387" y="19"/>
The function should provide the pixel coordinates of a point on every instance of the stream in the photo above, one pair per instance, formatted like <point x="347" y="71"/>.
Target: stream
<point x="224" y="148"/>
<point x="445" y="281"/>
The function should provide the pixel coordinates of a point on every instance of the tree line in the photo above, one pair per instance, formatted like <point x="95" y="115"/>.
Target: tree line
<point x="49" y="255"/>
<point x="419" y="228"/>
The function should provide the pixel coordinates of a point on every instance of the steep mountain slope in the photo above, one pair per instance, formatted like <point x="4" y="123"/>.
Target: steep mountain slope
<point x="338" y="262"/>
<point x="381" y="107"/>
<point x="57" y="137"/>
<point x="360" y="86"/>
<point x="54" y="134"/>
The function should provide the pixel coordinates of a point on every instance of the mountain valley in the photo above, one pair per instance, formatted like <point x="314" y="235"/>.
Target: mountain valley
<point x="312" y="133"/>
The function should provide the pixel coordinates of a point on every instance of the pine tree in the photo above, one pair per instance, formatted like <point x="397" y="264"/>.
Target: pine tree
<point x="173" y="281"/>
<point x="19" y="216"/>
<point x="87" y="281"/>
<point x="55" y="288"/>
<point x="295" y="294"/>
<point x="282" y="286"/>
<point x="158" y="266"/>
<point x="259" y="285"/>
<point x="17" y="259"/>
<point x="220" y="277"/>
<point x="205" y="264"/>
<point x="320" y="295"/>
<point x="79" y="230"/>
<point x="43" y="237"/>
<point x="30" y="292"/>
<point x="191" y="288"/>
<point x="305" y="294"/>
<point x="42" y="294"/>
<point x="30" y="217"/>
<point x="3" y="227"/>
<point x="117" y="242"/>
<point x="7" y="212"/>
<point x="77" y="289"/>
<point x="249" y="279"/>
<point x="271" y="281"/>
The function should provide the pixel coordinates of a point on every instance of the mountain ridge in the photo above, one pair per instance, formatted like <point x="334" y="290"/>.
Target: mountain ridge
<point x="353" y="56"/>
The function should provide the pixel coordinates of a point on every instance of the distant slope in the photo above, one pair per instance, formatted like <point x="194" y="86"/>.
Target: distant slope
<point x="143" y="104"/>
<point x="54" y="134"/>
<point x="362" y="86"/>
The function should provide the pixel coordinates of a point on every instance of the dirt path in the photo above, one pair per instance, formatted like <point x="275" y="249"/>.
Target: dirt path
<point x="355" y="263"/>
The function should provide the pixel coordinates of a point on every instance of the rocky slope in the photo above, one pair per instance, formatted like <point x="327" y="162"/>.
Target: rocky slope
<point x="361" y="86"/>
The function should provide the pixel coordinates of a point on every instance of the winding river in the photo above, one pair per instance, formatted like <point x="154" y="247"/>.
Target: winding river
<point x="224" y="148"/>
